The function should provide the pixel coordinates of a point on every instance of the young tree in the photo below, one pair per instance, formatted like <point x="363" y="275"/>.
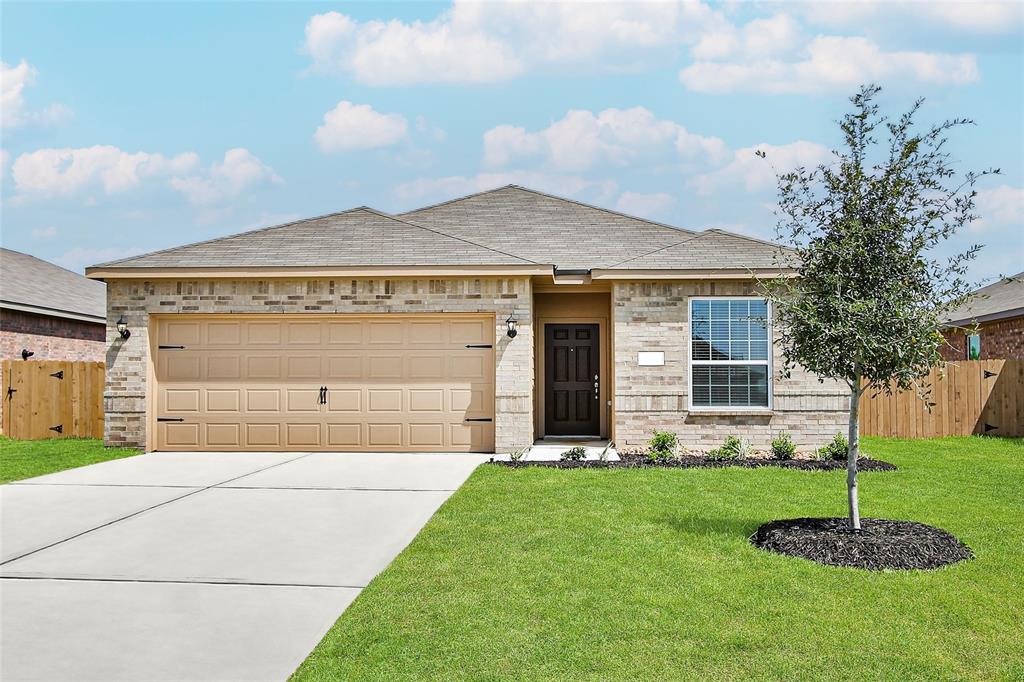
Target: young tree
<point x="867" y="303"/>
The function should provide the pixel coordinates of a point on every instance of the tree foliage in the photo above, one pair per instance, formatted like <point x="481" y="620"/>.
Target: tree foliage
<point x="869" y="298"/>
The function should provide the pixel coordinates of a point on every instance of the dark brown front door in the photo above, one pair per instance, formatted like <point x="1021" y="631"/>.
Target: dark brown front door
<point x="571" y="378"/>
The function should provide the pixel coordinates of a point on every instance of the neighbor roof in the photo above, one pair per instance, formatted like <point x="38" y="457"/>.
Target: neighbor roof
<point x="33" y="285"/>
<point x="997" y="301"/>
<point x="508" y="226"/>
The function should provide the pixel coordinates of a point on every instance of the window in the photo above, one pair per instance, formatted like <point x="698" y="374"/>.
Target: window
<point x="974" y="347"/>
<point x="729" y="353"/>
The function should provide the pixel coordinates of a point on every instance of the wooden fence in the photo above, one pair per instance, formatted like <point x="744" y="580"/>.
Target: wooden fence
<point x="52" y="399"/>
<point x="970" y="396"/>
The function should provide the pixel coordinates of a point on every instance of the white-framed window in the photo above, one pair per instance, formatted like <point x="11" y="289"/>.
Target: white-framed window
<point x="730" y="353"/>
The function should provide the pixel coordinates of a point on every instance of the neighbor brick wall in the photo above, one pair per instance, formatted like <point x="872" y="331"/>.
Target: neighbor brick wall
<point x="655" y="316"/>
<point x="124" y="399"/>
<point x="1000" y="340"/>
<point x="50" y="338"/>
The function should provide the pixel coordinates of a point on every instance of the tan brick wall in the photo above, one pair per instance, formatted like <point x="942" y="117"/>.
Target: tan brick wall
<point x="124" y="399"/>
<point x="1000" y="340"/>
<point x="655" y="316"/>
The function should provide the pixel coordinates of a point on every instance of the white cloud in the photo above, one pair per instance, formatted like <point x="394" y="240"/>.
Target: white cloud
<point x="459" y="185"/>
<point x="753" y="173"/>
<point x="1003" y="205"/>
<point x="980" y="16"/>
<point x="476" y="42"/>
<point x="582" y="139"/>
<point x="239" y="171"/>
<point x="5" y="158"/>
<point x="645" y="205"/>
<point x="13" y="112"/>
<point x="79" y="258"/>
<point x="758" y="38"/>
<point x="358" y="126"/>
<point x="829" y="63"/>
<point x="67" y="171"/>
<point x="44" y="232"/>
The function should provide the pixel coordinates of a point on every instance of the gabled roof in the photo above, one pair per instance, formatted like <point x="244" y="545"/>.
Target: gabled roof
<point x="33" y="285"/>
<point x="510" y="228"/>
<point x="358" y="237"/>
<point x="547" y="229"/>
<point x="996" y="301"/>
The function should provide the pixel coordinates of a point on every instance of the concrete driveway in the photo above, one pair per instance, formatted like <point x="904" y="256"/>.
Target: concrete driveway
<point x="212" y="566"/>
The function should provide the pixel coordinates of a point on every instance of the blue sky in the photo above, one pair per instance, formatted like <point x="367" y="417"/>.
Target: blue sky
<point x="128" y="127"/>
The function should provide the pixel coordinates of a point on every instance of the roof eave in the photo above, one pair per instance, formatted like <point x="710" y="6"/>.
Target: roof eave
<point x="979" y="319"/>
<point x="691" y="273"/>
<point x="247" y="271"/>
<point x="53" y="312"/>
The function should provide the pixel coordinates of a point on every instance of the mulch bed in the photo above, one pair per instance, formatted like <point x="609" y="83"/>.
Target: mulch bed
<point x="880" y="544"/>
<point x="701" y="462"/>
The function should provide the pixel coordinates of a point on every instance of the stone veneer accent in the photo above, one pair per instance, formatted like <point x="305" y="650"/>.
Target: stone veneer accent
<point x="655" y="316"/>
<point x="125" y="394"/>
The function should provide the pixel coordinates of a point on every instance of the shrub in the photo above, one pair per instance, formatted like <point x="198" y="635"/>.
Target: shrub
<point x="518" y="454"/>
<point x="782" y="447"/>
<point x="574" y="454"/>
<point x="836" y="450"/>
<point x="733" y="447"/>
<point x="662" y="445"/>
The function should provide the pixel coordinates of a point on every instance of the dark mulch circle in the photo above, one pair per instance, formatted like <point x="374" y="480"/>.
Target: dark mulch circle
<point x="700" y="462"/>
<point x="880" y="544"/>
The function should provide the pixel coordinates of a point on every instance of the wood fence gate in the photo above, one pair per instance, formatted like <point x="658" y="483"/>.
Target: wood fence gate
<point x="971" y="396"/>
<point x="52" y="399"/>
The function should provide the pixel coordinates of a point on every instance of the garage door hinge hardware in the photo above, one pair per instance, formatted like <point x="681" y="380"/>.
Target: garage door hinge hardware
<point x="322" y="400"/>
<point x="989" y="375"/>
<point x="58" y="375"/>
<point x="170" y="419"/>
<point x="170" y="347"/>
<point x="59" y="428"/>
<point x="479" y="345"/>
<point x="478" y="419"/>
<point x="989" y="427"/>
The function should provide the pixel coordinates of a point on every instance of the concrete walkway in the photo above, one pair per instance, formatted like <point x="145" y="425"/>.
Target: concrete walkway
<point x="212" y="566"/>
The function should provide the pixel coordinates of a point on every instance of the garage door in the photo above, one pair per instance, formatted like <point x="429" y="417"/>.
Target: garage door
<point x="336" y="382"/>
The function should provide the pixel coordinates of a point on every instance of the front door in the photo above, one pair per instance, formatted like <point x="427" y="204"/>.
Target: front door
<point x="572" y="393"/>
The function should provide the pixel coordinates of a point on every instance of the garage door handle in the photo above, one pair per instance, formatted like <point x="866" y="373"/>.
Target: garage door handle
<point x="478" y="419"/>
<point x="479" y="345"/>
<point x="170" y="347"/>
<point x="170" y="419"/>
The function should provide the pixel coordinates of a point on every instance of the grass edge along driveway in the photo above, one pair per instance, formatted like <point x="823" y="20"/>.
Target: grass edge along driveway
<point x="21" y="459"/>
<point x="647" y="574"/>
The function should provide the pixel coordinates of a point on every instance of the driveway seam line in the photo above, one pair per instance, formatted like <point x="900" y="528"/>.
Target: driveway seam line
<point x="143" y="511"/>
<point x="176" y="582"/>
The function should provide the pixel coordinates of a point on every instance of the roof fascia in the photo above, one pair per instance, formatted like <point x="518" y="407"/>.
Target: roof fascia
<point x="105" y="273"/>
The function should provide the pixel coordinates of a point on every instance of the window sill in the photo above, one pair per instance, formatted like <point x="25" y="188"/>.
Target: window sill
<point x="726" y="412"/>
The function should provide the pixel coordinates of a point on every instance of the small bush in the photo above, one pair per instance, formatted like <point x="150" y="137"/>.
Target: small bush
<point x="662" y="445"/>
<point x="733" y="447"/>
<point x="518" y="454"/>
<point x="574" y="454"/>
<point x="783" y="447"/>
<point x="836" y="450"/>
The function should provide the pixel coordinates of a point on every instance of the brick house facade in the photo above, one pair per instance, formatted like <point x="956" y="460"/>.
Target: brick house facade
<point x="50" y="338"/>
<point x="995" y="314"/>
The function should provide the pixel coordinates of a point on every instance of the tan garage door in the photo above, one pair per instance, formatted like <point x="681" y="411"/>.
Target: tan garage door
<point x="391" y="383"/>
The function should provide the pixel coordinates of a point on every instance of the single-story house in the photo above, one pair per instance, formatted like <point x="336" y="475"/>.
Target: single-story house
<point x="49" y="313"/>
<point x="478" y="324"/>
<point x="990" y="326"/>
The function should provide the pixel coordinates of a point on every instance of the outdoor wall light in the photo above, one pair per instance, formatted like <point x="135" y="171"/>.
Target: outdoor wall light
<point x="511" y="323"/>
<point x="26" y="353"/>
<point x="122" y="328"/>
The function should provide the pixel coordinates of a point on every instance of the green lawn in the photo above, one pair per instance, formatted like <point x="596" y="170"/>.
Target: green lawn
<point x="27" y="458"/>
<point x="647" y="574"/>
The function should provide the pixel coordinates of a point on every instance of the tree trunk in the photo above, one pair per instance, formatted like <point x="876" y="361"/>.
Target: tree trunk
<point x="852" y="452"/>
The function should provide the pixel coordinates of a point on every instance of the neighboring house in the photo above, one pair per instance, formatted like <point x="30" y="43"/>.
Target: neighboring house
<point x="53" y="313"/>
<point x="990" y="326"/>
<point x="478" y="324"/>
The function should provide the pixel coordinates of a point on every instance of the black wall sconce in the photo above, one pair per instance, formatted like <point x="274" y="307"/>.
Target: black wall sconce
<point x="26" y="353"/>
<point x="122" y="328"/>
<point x="511" y="323"/>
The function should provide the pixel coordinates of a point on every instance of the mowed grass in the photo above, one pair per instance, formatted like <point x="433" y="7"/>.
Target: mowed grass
<point x="21" y="459"/>
<point x="648" y="574"/>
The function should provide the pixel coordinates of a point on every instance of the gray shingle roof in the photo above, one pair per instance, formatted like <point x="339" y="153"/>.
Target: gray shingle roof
<point x="34" y="285"/>
<point x="506" y="226"/>
<point x="360" y="236"/>
<point x="547" y="229"/>
<point x="996" y="301"/>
